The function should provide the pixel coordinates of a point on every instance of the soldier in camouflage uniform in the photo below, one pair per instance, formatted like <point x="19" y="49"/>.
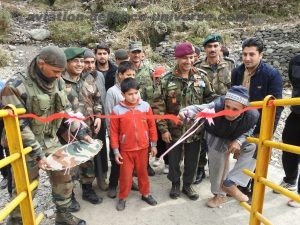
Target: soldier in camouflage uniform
<point x="184" y="86"/>
<point x="85" y="97"/>
<point x="143" y="74"/>
<point x="219" y="74"/>
<point x="41" y="91"/>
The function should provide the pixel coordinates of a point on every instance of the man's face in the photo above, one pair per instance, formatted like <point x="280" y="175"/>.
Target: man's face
<point x="126" y="74"/>
<point x="49" y="71"/>
<point x="185" y="63"/>
<point x="251" y="57"/>
<point x="212" y="49"/>
<point x="89" y="64"/>
<point x="75" y="66"/>
<point x="196" y="57"/>
<point x="131" y="96"/>
<point x="102" y="56"/>
<point x="135" y="56"/>
<point x="234" y="106"/>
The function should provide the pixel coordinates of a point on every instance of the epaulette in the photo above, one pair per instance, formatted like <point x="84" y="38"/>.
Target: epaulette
<point x="201" y="71"/>
<point x="229" y="59"/>
<point x="197" y="63"/>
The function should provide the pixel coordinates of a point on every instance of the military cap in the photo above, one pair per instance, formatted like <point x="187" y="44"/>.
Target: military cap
<point x="183" y="49"/>
<point x="135" y="46"/>
<point x="74" y="52"/>
<point x="88" y="53"/>
<point x="212" y="38"/>
<point x="121" y="54"/>
<point x="54" y="56"/>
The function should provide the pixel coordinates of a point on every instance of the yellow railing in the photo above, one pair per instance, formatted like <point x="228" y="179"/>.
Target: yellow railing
<point x="265" y="145"/>
<point x="18" y="163"/>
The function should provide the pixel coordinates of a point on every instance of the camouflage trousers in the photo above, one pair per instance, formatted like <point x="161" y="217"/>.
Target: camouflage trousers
<point x="61" y="184"/>
<point x="87" y="172"/>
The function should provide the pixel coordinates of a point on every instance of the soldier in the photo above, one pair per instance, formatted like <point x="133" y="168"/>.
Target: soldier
<point x="224" y="53"/>
<point x="184" y="86"/>
<point x="218" y="73"/>
<point x="144" y="77"/>
<point x="41" y="91"/>
<point x="85" y="97"/>
<point x="101" y="160"/>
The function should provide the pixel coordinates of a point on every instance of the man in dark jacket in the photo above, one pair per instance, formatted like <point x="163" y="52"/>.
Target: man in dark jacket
<point x="260" y="78"/>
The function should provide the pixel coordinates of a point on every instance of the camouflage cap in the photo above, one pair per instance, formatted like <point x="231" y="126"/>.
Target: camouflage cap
<point x="121" y="54"/>
<point x="53" y="56"/>
<point x="74" y="52"/>
<point x="212" y="38"/>
<point x="135" y="46"/>
<point x="73" y="154"/>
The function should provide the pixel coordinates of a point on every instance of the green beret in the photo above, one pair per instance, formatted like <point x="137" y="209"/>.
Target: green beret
<point x="74" y="52"/>
<point x="212" y="38"/>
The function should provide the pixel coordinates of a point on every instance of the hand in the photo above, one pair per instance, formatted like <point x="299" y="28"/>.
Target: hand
<point x="88" y="139"/>
<point x="166" y="137"/>
<point x="43" y="164"/>
<point x="97" y="125"/>
<point x="184" y="115"/>
<point x="153" y="151"/>
<point x="234" y="148"/>
<point x="119" y="158"/>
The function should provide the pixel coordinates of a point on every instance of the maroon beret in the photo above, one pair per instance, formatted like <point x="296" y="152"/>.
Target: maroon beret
<point x="183" y="49"/>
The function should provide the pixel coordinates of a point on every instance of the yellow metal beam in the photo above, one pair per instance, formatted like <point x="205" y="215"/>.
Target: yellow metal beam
<point x="246" y="206"/>
<point x="263" y="219"/>
<point x="278" y="102"/>
<point x="39" y="218"/>
<point x="282" y="146"/>
<point x="9" y="159"/>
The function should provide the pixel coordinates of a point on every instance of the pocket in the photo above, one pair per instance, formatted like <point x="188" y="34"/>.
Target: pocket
<point x="60" y="101"/>
<point x="40" y="104"/>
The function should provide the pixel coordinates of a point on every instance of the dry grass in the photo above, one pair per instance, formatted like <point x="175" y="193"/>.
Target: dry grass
<point x="4" y="58"/>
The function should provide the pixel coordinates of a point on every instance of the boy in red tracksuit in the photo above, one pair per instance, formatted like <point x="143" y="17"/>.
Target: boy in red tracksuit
<point x="130" y="137"/>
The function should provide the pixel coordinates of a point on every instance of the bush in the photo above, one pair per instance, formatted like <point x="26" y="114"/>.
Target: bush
<point x="64" y="32"/>
<point x="117" y="18"/>
<point x="4" y="58"/>
<point x="5" y="21"/>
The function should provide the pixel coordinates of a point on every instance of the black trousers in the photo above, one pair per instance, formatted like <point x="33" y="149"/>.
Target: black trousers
<point x="290" y="161"/>
<point x="161" y="148"/>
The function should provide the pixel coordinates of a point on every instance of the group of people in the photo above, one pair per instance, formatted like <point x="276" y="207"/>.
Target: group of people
<point x="86" y="81"/>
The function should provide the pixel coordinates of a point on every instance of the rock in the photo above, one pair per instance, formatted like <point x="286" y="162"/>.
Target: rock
<point x="11" y="47"/>
<point x="39" y="34"/>
<point x="49" y="213"/>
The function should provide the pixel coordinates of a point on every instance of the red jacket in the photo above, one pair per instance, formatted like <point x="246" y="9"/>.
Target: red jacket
<point x="134" y="131"/>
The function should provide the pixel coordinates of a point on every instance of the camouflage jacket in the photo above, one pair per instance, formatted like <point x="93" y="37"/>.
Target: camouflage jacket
<point x="28" y="90"/>
<point x="144" y="77"/>
<point x="220" y="78"/>
<point x="84" y="95"/>
<point x="174" y="92"/>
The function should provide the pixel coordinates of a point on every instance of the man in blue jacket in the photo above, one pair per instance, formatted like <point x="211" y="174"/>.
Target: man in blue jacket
<point x="260" y="78"/>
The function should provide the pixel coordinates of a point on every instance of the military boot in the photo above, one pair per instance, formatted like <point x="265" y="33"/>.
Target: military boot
<point x="88" y="194"/>
<point x="188" y="190"/>
<point x="64" y="217"/>
<point x="200" y="175"/>
<point x="75" y="206"/>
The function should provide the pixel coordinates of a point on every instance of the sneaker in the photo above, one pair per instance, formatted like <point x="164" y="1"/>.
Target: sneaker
<point x="3" y="183"/>
<point x="121" y="204"/>
<point x="64" y="217"/>
<point x="166" y="169"/>
<point x="175" y="190"/>
<point x="149" y="199"/>
<point x="235" y="193"/>
<point x="112" y="192"/>
<point x="156" y="162"/>
<point x="293" y="203"/>
<point x="216" y="201"/>
<point x="290" y="187"/>
<point x="189" y="191"/>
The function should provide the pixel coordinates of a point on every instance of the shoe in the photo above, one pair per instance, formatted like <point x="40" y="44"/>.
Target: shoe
<point x="14" y="221"/>
<point x="175" y="190"/>
<point x="64" y="217"/>
<point x="156" y="162"/>
<point x="293" y="203"/>
<point x="121" y="204"/>
<point x="134" y="186"/>
<point x="88" y="194"/>
<point x="190" y="192"/>
<point x="290" y="187"/>
<point x="200" y="175"/>
<point x="149" y="199"/>
<point x="235" y="193"/>
<point x="3" y="183"/>
<point x="112" y="192"/>
<point x="151" y="171"/>
<point x="216" y="201"/>
<point x="166" y="169"/>
<point x="101" y="183"/>
<point x="75" y="206"/>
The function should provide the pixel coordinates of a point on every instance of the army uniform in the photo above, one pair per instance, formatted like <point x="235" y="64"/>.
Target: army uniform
<point x="144" y="77"/>
<point x="173" y="93"/>
<point x="33" y="92"/>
